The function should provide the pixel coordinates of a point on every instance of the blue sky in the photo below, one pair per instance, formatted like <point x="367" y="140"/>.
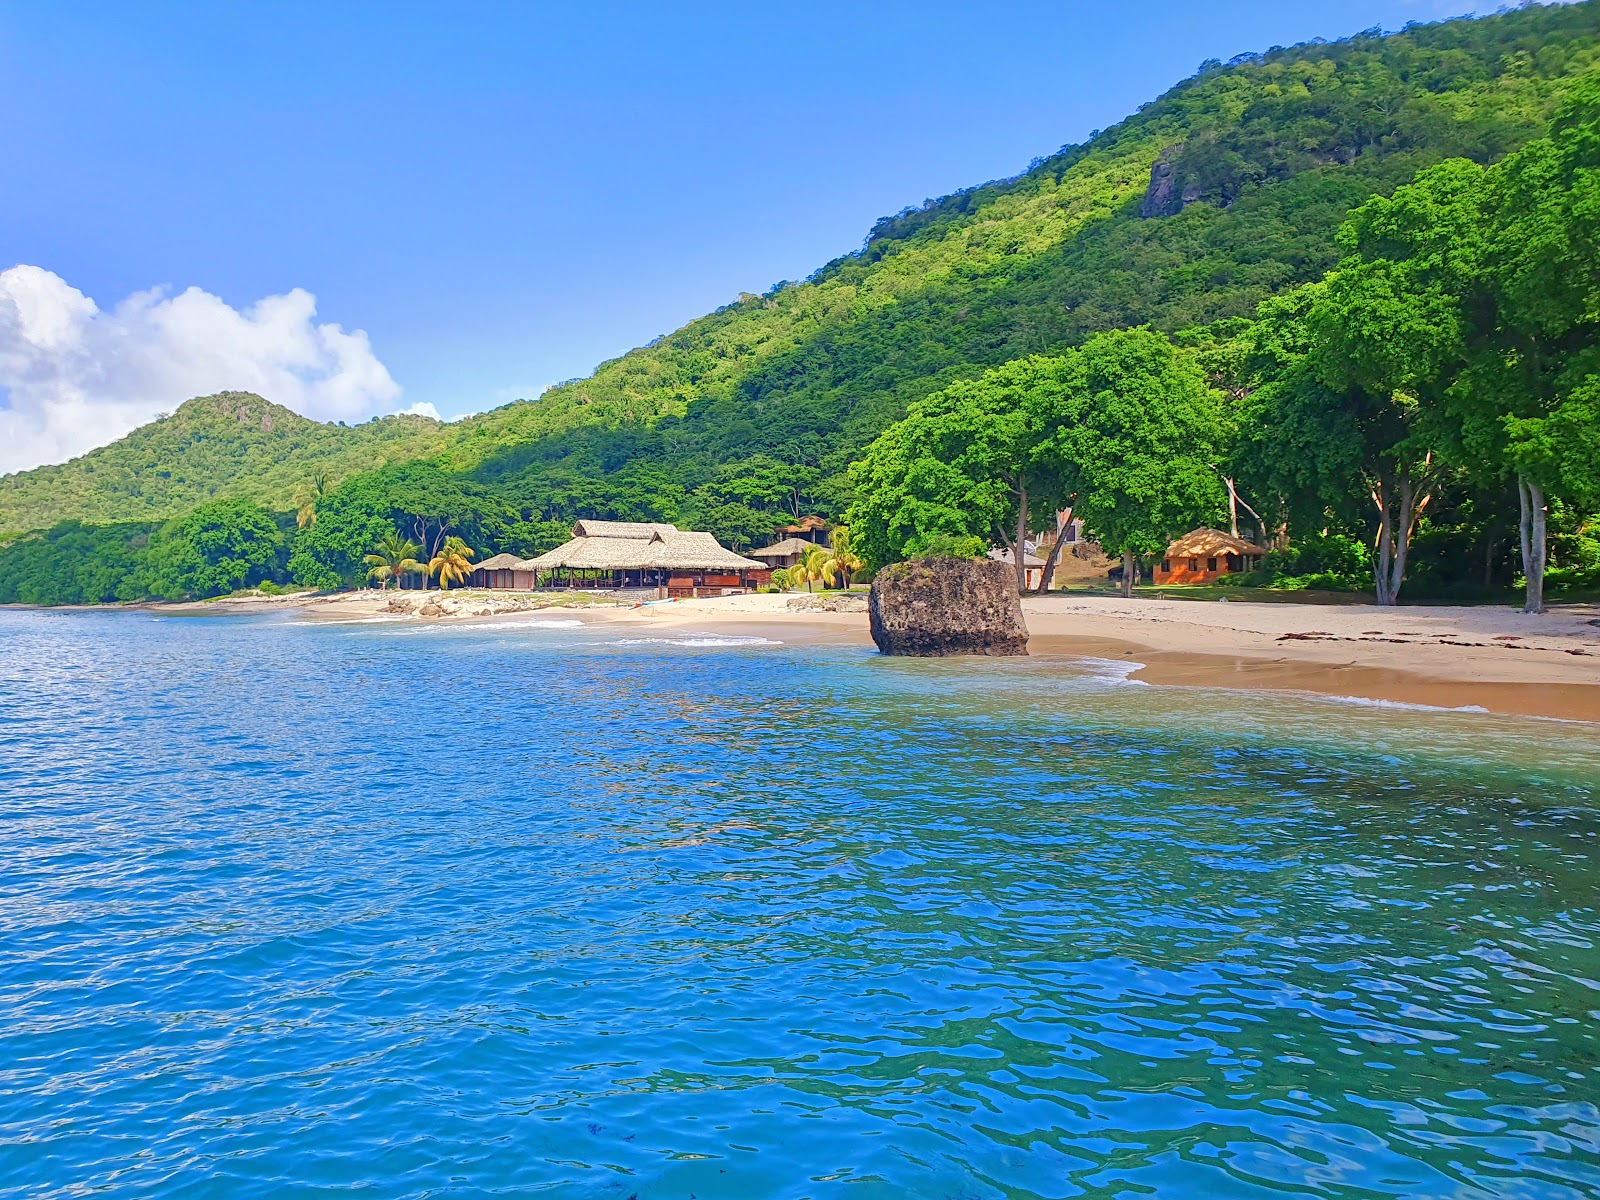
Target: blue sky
<point x="502" y="195"/>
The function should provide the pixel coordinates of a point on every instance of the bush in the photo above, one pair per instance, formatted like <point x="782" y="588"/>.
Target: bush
<point x="946" y="545"/>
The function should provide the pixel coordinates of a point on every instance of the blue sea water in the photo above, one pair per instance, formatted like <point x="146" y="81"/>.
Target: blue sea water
<point x="293" y="909"/>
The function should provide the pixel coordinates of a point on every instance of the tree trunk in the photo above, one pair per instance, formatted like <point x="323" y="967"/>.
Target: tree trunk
<point x="1019" y="554"/>
<point x="1233" y="507"/>
<point x="1400" y="501"/>
<point x="1383" y="551"/>
<point x="1535" y="544"/>
<point x="1048" y="575"/>
<point x="1129" y="568"/>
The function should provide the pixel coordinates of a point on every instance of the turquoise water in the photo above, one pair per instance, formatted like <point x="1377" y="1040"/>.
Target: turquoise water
<point x="378" y="910"/>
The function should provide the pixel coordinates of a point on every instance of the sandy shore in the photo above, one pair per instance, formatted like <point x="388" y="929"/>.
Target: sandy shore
<point x="1497" y="659"/>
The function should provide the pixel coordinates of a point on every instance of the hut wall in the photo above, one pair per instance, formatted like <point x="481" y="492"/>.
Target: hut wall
<point x="1200" y="569"/>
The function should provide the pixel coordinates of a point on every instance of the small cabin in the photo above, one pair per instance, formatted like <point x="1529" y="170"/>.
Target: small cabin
<point x="503" y="571"/>
<point x="1204" y="556"/>
<point x="787" y="553"/>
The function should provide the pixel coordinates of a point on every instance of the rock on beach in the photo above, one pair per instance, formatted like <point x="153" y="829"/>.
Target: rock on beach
<point x="936" y="607"/>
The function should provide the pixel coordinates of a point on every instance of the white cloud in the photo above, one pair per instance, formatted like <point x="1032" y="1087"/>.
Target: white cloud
<point x="421" y="409"/>
<point x="74" y="376"/>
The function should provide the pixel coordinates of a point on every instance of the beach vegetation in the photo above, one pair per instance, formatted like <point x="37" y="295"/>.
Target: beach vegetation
<point x="452" y="563"/>
<point x="394" y="557"/>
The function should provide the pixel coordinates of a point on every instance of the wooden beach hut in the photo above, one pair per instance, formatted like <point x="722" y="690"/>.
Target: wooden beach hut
<point x="624" y="554"/>
<point x="503" y="571"/>
<point x="1204" y="555"/>
<point x="786" y="553"/>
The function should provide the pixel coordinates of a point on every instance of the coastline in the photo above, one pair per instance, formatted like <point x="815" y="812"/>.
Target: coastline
<point x="1496" y="659"/>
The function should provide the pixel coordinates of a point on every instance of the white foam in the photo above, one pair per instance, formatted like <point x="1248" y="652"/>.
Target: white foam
<point x="384" y="620"/>
<point x="547" y="624"/>
<point x="1369" y="702"/>
<point x="699" y="640"/>
<point x="1112" y="670"/>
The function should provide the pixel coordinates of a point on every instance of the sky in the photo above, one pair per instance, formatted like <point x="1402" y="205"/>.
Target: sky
<point x="361" y="208"/>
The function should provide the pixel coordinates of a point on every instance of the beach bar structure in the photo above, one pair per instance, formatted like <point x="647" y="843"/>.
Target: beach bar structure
<point x="632" y="554"/>
<point x="1204" y="555"/>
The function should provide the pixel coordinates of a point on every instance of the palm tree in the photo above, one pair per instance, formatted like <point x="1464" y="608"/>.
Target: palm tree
<point x="394" y="557"/>
<point x="307" y="496"/>
<point x="810" y="567"/>
<point x="453" y="562"/>
<point x="841" y="560"/>
<point x="782" y="579"/>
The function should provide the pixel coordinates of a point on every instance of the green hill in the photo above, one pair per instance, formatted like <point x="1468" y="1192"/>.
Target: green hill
<point x="230" y="444"/>
<point x="1227" y="189"/>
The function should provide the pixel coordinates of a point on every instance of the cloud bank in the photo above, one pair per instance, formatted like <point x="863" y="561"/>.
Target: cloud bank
<point x="74" y="376"/>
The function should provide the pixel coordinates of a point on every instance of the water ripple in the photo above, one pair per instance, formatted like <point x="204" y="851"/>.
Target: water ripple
<point x="290" y="909"/>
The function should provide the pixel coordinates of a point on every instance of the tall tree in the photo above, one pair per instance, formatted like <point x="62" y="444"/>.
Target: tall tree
<point x="1136" y="438"/>
<point x="974" y="459"/>
<point x="1538" y="372"/>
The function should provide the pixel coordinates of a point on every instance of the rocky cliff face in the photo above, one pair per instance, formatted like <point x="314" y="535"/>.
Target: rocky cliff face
<point x="1165" y="197"/>
<point x="934" y="607"/>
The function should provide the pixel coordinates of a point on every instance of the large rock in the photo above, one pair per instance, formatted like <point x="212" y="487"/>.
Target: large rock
<point x="933" y="607"/>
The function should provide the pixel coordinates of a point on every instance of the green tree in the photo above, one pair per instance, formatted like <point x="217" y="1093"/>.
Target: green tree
<point x="1537" y="369"/>
<point x="974" y="459"/>
<point x="811" y="567"/>
<point x="452" y="564"/>
<point x="216" y="548"/>
<point x="394" y="557"/>
<point x="1138" y="433"/>
<point x="841" y="560"/>
<point x="307" y="496"/>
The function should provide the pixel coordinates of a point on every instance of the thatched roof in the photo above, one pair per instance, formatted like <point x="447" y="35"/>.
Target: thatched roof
<point x="698" y="552"/>
<point x="594" y="554"/>
<point x="500" y="562"/>
<point x="664" y="548"/>
<point x="621" y="529"/>
<point x="1208" y="543"/>
<point x="785" y="548"/>
<point x="1028" y="560"/>
<point x="805" y="525"/>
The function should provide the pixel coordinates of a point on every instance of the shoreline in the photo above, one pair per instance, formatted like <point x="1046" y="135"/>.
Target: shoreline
<point x="1498" y="660"/>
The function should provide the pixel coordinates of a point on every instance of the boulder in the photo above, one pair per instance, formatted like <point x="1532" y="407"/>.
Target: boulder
<point x="934" y="607"/>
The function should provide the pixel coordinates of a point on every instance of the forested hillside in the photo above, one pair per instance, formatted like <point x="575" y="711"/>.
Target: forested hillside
<point x="231" y="444"/>
<point x="1226" y="192"/>
<point x="1227" y="189"/>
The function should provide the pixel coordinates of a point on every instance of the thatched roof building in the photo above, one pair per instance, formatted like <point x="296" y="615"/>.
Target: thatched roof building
<point x="808" y="529"/>
<point x="785" y="553"/>
<point x="1204" y="555"/>
<point x="637" y="554"/>
<point x="500" y="562"/>
<point x="502" y="571"/>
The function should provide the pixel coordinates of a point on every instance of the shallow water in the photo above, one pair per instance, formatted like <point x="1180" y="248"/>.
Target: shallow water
<point x="299" y="910"/>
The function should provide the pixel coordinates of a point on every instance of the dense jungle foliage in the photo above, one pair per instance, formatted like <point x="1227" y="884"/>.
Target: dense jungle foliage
<point x="1226" y="192"/>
